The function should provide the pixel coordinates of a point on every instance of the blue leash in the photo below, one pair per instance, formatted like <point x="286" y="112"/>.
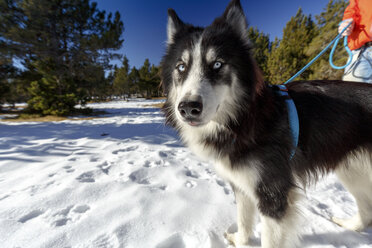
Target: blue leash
<point x="348" y="51"/>
<point x="335" y="42"/>
<point x="283" y="91"/>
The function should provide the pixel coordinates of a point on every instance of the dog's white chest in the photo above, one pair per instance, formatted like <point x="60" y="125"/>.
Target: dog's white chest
<point x="244" y="177"/>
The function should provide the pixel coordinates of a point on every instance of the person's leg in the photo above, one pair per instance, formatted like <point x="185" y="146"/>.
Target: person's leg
<point x="360" y="70"/>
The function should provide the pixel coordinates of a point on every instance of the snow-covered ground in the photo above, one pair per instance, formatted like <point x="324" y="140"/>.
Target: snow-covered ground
<point x="126" y="181"/>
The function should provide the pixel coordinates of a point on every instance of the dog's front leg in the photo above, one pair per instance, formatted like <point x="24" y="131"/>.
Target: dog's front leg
<point x="273" y="233"/>
<point x="279" y="229"/>
<point x="245" y="219"/>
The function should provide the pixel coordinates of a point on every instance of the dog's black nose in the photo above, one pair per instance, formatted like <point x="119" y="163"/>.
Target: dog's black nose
<point x="190" y="109"/>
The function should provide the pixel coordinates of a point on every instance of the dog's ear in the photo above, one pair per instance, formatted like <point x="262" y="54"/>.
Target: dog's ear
<point x="235" y="17"/>
<point x="174" y="25"/>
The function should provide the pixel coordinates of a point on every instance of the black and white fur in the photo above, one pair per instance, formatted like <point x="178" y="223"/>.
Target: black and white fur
<point x="223" y="110"/>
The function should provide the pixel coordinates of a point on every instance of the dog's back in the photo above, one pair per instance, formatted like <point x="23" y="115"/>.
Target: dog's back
<point x="335" y="120"/>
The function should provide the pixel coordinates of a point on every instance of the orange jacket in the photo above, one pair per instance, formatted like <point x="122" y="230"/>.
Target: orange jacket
<point x="361" y="12"/>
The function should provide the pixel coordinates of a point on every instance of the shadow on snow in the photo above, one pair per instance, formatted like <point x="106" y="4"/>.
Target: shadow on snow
<point x="32" y="134"/>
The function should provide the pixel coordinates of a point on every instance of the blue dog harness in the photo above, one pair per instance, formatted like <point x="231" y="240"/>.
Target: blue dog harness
<point x="292" y="116"/>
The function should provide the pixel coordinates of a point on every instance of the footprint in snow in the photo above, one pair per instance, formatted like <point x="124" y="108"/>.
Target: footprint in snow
<point x="81" y="209"/>
<point x="220" y="182"/>
<point x="140" y="176"/>
<point x="31" y="215"/>
<point x="163" y="154"/>
<point x="227" y="191"/>
<point x="225" y="186"/>
<point x="61" y="222"/>
<point x="151" y="164"/>
<point x="68" y="169"/>
<point x="209" y="171"/>
<point x="147" y="164"/>
<point x="322" y="206"/>
<point x="163" y="187"/>
<point x="69" y="214"/>
<point x="93" y="159"/>
<point x="87" y="177"/>
<point x="128" y="149"/>
<point x="105" y="168"/>
<point x="192" y="174"/>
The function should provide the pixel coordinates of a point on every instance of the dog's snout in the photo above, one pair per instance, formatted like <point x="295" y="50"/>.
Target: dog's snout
<point x="190" y="109"/>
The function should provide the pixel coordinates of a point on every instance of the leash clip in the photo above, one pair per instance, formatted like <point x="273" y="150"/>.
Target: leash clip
<point x="281" y="87"/>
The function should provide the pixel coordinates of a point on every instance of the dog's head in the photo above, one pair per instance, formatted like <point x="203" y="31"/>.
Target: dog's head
<point x="207" y="71"/>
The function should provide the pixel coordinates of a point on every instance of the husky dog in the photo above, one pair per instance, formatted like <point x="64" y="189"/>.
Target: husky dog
<point x="225" y="112"/>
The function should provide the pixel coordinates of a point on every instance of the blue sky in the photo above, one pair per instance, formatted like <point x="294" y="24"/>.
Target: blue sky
<point x="145" y="20"/>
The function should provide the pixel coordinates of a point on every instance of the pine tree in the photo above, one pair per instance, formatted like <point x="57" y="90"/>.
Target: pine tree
<point x="7" y="71"/>
<point x="288" y="56"/>
<point x="67" y="42"/>
<point x="149" y="79"/>
<point x="145" y="78"/>
<point x="121" y="80"/>
<point x="96" y="83"/>
<point x="327" y="24"/>
<point x="261" y="47"/>
<point x="155" y="81"/>
<point x="134" y="79"/>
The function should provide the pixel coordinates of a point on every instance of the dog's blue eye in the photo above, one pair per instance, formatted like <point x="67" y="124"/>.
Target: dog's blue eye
<point x="181" y="68"/>
<point x="217" y="65"/>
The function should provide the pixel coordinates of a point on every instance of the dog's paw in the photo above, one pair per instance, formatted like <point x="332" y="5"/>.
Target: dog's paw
<point x="353" y="224"/>
<point x="230" y="237"/>
<point x="236" y="239"/>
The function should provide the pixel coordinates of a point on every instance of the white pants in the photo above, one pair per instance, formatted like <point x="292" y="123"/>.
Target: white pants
<point x="360" y="69"/>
